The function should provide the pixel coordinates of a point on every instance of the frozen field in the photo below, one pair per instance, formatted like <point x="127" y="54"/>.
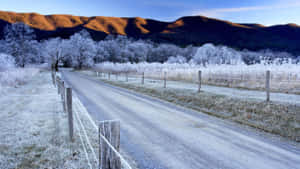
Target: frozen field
<point x="284" y="78"/>
<point x="14" y="77"/>
<point x="34" y="128"/>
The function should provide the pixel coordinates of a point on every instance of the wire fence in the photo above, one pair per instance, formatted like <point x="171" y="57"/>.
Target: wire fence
<point x="268" y="82"/>
<point x="284" y="82"/>
<point x="105" y="137"/>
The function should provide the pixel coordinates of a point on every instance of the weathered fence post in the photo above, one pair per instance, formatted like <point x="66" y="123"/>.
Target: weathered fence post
<point x="53" y="77"/>
<point x="165" y="79"/>
<point x="199" y="80"/>
<point x="116" y="76"/>
<point x="62" y="90"/>
<point x="108" y="75"/>
<point x="126" y="76"/>
<point x="58" y="84"/>
<point x="70" y="112"/>
<point x="268" y="85"/>
<point x="110" y="130"/>
<point x="143" y="78"/>
<point x="97" y="74"/>
<point x="63" y="96"/>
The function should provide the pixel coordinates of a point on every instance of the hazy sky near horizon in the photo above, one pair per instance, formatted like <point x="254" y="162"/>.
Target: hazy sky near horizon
<point x="267" y="12"/>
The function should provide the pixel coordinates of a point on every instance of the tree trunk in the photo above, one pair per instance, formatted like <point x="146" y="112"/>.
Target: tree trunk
<point x="56" y="66"/>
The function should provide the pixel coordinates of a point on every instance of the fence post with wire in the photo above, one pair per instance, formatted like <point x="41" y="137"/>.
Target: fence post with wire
<point x="109" y="132"/>
<point x="109" y="140"/>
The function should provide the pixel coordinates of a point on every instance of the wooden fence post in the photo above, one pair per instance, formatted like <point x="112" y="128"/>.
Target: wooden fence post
<point x="53" y="77"/>
<point x="165" y="79"/>
<point x="70" y="112"/>
<point x="268" y="84"/>
<point x="109" y="76"/>
<point x="116" y="76"/>
<point x="110" y="130"/>
<point x="143" y="78"/>
<point x="58" y="85"/>
<point x="62" y="90"/>
<point x="63" y="96"/>
<point x="126" y="76"/>
<point x="199" y="80"/>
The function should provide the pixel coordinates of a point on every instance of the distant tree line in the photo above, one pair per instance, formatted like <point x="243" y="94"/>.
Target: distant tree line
<point x="80" y="51"/>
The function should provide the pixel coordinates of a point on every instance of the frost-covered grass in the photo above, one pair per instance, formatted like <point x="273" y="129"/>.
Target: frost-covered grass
<point x="34" y="128"/>
<point x="17" y="76"/>
<point x="284" y="77"/>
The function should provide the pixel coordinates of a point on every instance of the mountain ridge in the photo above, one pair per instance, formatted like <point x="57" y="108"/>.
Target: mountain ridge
<point x="186" y="30"/>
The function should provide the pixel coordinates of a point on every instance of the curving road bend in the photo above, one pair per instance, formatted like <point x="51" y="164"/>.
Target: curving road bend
<point x="160" y="135"/>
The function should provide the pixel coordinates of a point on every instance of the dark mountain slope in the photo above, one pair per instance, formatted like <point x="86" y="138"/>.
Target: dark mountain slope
<point x="184" y="31"/>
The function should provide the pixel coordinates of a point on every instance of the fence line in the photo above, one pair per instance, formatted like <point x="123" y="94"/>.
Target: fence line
<point x="66" y="96"/>
<point x="85" y="135"/>
<point x="124" y="162"/>
<point x="84" y="149"/>
<point x="267" y="80"/>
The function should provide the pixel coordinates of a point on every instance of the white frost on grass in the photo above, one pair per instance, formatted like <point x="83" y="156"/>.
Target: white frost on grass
<point x="14" y="77"/>
<point x="89" y="134"/>
<point x="34" y="128"/>
<point x="284" y="77"/>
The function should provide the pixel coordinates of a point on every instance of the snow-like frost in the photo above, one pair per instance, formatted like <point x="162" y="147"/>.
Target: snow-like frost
<point x="240" y="75"/>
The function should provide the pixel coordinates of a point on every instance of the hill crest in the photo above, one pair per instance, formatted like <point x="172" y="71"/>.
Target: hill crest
<point x="183" y="31"/>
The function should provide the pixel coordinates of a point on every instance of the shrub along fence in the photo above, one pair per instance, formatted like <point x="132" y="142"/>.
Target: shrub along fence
<point x="108" y="131"/>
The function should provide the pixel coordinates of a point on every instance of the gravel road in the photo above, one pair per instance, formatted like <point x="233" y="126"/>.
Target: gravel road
<point x="160" y="135"/>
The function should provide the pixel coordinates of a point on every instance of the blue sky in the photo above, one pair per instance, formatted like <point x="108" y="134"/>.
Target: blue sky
<point x="267" y="12"/>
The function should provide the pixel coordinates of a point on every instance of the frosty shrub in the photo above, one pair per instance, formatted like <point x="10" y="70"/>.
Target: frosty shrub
<point x="17" y="76"/>
<point x="6" y="61"/>
<point x="179" y="59"/>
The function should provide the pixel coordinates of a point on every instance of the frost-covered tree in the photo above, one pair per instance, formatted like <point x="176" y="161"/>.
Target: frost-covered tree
<point x="113" y="51"/>
<point x="101" y="52"/>
<point x="210" y="54"/>
<point x="83" y="50"/>
<point x="58" y="51"/>
<point x="162" y="52"/>
<point x="18" y="38"/>
<point x="178" y="59"/>
<point x="52" y="52"/>
<point x="188" y="52"/>
<point x="2" y="46"/>
<point x="36" y="53"/>
<point x="139" y="52"/>
<point x="250" y="57"/>
<point x="203" y="55"/>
